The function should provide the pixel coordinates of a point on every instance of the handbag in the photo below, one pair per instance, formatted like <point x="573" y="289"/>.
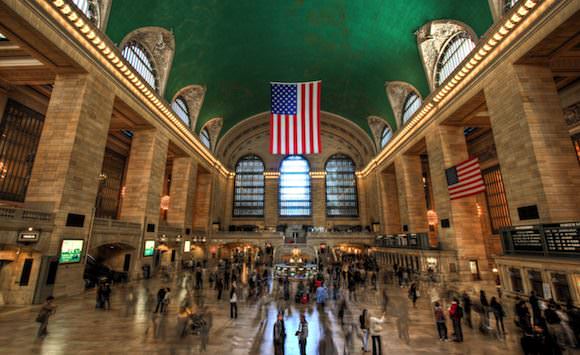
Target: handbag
<point x="41" y="317"/>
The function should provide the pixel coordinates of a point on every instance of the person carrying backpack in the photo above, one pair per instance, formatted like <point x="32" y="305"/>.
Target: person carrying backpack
<point x="364" y="327"/>
<point x="456" y="314"/>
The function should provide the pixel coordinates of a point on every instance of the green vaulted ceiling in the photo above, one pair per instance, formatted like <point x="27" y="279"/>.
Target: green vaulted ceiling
<point x="236" y="47"/>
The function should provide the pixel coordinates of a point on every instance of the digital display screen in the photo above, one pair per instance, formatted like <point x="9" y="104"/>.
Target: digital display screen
<point x="71" y="251"/>
<point x="187" y="246"/>
<point x="149" y="248"/>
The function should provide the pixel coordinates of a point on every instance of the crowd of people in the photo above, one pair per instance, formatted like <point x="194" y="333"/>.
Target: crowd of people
<point x="341" y="287"/>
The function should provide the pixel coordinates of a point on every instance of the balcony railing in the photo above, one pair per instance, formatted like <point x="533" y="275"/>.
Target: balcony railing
<point x="21" y="214"/>
<point x="405" y="241"/>
<point x="558" y="239"/>
<point x="105" y="225"/>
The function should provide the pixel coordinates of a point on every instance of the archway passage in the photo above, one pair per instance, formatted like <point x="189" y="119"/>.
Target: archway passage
<point x="111" y="262"/>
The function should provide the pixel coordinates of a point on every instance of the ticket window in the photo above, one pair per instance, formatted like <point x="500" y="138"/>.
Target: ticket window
<point x="516" y="280"/>
<point x="536" y="282"/>
<point x="561" y="287"/>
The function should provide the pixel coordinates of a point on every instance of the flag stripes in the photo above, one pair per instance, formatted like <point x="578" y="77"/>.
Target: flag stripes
<point x="465" y="179"/>
<point x="295" y="118"/>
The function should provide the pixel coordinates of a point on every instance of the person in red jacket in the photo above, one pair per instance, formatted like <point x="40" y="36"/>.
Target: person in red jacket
<point x="455" y="314"/>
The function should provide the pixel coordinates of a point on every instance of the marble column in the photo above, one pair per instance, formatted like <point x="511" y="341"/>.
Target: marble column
<point x="447" y="147"/>
<point x="183" y="181"/>
<point x="391" y="217"/>
<point x="412" y="207"/>
<point x="538" y="162"/>
<point x="68" y="162"/>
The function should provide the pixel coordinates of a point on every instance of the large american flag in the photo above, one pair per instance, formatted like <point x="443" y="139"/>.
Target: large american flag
<point x="465" y="179"/>
<point x="295" y="118"/>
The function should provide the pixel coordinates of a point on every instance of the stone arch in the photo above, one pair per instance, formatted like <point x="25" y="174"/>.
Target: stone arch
<point x="432" y="38"/>
<point x="214" y="127"/>
<point x="397" y="92"/>
<point x="160" y="45"/>
<point x="193" y="96"/>
<point x="339" y="134"/>
<point x="377" y="125"/>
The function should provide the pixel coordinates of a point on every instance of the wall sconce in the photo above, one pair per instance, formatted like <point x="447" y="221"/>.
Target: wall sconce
<point x="432" y="218"/>
<point x="165" y="202"/>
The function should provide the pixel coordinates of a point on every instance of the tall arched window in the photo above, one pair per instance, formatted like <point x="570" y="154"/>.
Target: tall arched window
<point x="295" y="200"/>
<point x="454" y="52"/>
<point x="341" y="192"/>
<point x="90" y="8"/>
<point x="179" y="106"/>
<point x="139" y="59"/>
<point x="204" y="136"/>
<point x="412" y="104"/>
<point x="249" y="187"/>
<point x="386" y="136"/>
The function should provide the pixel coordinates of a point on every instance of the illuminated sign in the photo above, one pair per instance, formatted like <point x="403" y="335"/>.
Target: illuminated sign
<point x="149" y="248"/>
<point x="187" y="246"/>
<point x="71" y="251"/>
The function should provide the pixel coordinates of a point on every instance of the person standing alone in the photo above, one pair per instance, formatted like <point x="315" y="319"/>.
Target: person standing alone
<point x="376" y="329"/>
<point x="279" y="335"/>
<point x="233" y="303"/>
<point x="302" y="334"/>
<point x="364" y="327"/>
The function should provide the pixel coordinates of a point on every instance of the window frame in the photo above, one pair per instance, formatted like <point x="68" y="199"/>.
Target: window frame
<point x="91" y="10"/>
<point x="143" y="60"/>
<point x="307" y="173"/>
<point x="442" y="61"/>
<point x="205" y="138"/>
<point x="249" y="157"/>
<point x="342" y="157"/>
<point x="383" y="135"/>
<point x="416" y="98"/>
<point x="182" y="108"/>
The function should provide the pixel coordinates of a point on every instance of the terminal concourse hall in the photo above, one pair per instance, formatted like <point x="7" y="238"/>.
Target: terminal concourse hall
<point x="290" y="177"/>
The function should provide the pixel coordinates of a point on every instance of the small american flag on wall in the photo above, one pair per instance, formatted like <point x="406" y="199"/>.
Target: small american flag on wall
<point x="465" y="179"/>
<point x="295" y="118"/>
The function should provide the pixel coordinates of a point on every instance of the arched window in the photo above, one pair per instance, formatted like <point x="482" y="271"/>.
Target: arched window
<point x="249" y="187"/>
<point x="341" y="192"/>
<point x="137" y="56"/>
<point x="179" y="106"/>
<point x="295" y="198"/>
<point x="386" y="136"/>
<point x="508" y="4"/>
<point x="204" y="136"/>
<point x="90" y="8"/>
<point x="455" y="51"/>
<point x="412" y="104"/>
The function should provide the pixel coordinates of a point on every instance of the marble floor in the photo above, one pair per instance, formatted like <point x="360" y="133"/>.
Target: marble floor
<point x="79" y="328"/>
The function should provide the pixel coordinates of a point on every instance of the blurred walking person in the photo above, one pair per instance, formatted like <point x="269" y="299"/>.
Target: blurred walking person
<point x="48" y="309"/>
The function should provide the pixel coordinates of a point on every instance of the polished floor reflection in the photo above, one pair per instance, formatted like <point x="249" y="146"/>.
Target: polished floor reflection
<point x="79" y="328"/>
